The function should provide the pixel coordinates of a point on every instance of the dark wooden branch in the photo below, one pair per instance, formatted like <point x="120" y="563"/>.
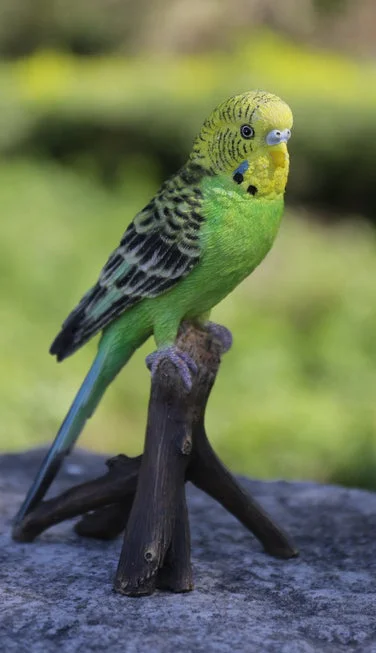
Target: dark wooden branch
<point x="106" y="523"/>
<point x="120" y="481"/>
<point x="209" y="474"/>
<point x="146" y="495"/>
<point x="176" y="573"/>
<point x="153" y="517"/>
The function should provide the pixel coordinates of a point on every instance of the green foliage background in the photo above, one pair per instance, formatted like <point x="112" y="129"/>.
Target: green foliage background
<point x="84" y="143"/>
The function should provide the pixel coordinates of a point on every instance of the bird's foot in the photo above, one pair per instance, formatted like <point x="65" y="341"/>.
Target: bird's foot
<point x="221" y="334"/>
<point x="180" y="359"/>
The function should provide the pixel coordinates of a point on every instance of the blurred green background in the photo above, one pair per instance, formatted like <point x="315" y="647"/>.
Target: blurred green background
<point x="99" y="102"/>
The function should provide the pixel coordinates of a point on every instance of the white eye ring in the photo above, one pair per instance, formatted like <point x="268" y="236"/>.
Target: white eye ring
<point x="247" y="131"/>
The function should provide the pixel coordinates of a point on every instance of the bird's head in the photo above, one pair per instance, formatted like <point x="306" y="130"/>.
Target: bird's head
<point x="246" y="138"/>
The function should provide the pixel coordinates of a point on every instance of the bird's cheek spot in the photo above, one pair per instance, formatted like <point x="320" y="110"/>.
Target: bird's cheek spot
<point x="238" y="177"/>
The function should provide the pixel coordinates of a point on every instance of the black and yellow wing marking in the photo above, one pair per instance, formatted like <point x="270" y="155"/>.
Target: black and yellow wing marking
<point x="159" y="248"/>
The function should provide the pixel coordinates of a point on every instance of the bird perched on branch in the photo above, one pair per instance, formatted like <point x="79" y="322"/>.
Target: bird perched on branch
<point x="206" y="229"/>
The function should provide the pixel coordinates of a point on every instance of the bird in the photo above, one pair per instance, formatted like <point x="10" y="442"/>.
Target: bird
<point x="205" y="230"/>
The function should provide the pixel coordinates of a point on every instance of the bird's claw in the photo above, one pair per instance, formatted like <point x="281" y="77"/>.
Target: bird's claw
<point x="221" y="334"/>
<point x="180" y="359"/>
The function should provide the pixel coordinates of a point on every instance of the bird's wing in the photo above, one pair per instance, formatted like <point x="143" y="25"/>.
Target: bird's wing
<point x="160" y="247"/>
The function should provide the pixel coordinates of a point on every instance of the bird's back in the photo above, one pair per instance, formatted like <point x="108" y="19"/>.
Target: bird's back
<point x="158" y="249"/>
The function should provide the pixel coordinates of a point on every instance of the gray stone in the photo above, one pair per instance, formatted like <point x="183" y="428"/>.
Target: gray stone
<point x="56" y="593"/>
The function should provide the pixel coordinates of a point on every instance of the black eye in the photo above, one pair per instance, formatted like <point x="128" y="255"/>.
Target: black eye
<point x="247" y="131"/>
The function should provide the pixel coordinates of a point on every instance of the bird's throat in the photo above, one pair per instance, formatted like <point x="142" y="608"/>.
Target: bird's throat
<point x="269" y="172"/>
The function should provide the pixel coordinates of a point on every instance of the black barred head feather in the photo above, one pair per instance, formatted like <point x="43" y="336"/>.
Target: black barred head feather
<point x="237" y="129"/>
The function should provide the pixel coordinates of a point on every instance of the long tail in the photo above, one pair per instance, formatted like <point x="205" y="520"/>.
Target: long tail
<point x="103" y="370"/>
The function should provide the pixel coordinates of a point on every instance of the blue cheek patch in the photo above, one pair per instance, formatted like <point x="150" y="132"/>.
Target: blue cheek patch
<point x="242" y="168"/>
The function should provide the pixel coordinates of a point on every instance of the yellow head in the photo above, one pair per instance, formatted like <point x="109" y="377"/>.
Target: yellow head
<point x="246" y="137"/>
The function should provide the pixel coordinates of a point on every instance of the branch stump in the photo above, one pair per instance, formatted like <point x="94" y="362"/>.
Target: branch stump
<point x="145" y="495"/>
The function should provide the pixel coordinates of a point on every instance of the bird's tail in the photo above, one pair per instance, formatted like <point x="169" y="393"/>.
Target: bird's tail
<point x="103" y="370"/>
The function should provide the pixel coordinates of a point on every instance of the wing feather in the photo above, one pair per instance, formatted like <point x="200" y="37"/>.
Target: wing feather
<point x="160" y="247"/>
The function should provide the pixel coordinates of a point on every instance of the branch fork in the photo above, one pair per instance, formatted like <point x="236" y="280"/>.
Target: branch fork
<point x="145" y="495"/>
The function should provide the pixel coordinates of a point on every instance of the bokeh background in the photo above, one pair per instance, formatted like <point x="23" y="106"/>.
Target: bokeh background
<point x="99" y="102"/>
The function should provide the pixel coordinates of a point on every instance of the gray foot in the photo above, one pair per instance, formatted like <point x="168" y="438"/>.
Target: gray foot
<point x="180" y="359"/>
<point x="220" y="333"/>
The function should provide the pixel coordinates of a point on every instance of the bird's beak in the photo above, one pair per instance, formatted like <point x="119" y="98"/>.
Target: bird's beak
<point x="279" y="155"/>
<point x="277" y="139"/>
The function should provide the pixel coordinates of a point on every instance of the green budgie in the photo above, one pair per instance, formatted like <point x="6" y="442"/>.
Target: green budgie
<point x="206" y="229"/>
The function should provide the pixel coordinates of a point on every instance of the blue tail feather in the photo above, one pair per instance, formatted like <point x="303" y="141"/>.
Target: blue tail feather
<point x="82" y="408"/>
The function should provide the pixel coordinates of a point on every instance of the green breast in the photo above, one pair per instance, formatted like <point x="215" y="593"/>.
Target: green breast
<point x="238" y="232"/>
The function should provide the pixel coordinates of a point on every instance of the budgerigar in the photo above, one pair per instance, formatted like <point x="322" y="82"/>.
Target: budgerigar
<point x="206" y="229"/>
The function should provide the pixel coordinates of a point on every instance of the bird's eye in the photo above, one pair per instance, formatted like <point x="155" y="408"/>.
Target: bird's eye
<point x="247" y="131"/>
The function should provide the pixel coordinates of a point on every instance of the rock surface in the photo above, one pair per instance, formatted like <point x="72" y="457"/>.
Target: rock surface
<point x="56" y="593"/>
